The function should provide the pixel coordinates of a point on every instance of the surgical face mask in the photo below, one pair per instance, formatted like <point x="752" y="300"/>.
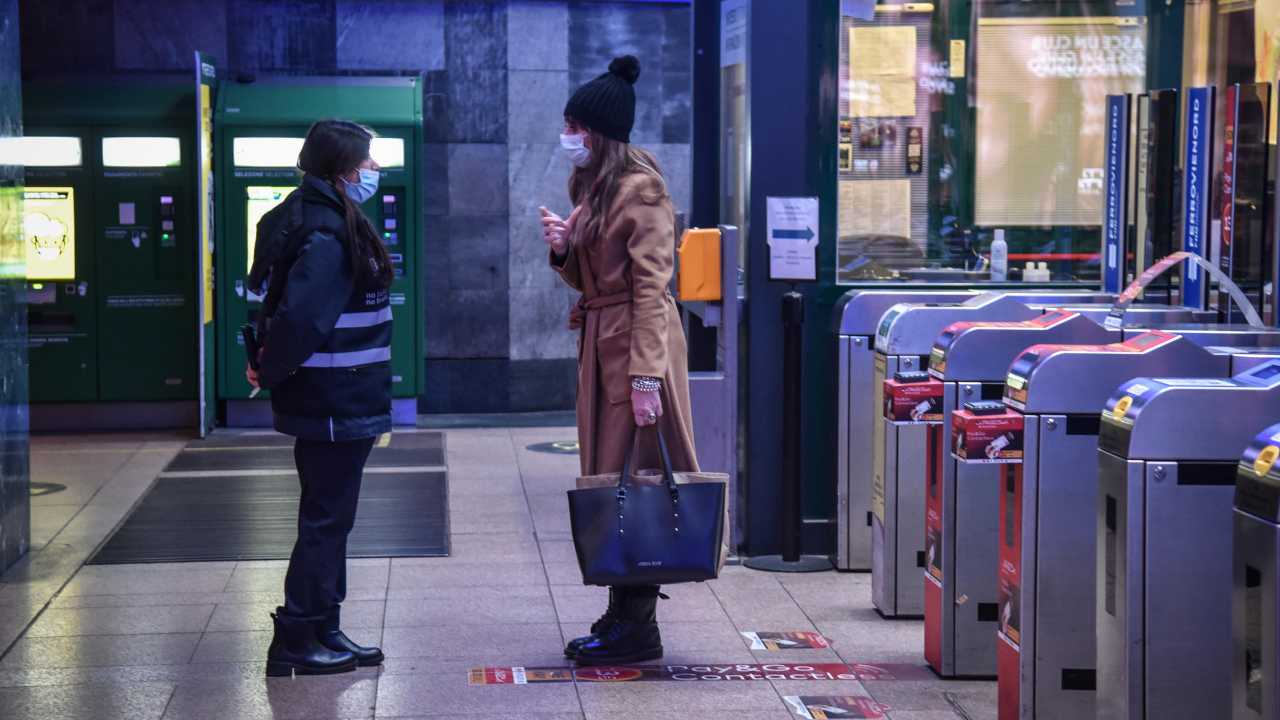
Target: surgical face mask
<point x="576" y="148"/>
<point x="365" y="188"/>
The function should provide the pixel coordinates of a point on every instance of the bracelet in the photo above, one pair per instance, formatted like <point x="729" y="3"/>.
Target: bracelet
<point x="644" y="384"/>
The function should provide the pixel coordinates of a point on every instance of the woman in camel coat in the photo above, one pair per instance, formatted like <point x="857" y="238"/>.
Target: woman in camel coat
<point x="618" y="249"/>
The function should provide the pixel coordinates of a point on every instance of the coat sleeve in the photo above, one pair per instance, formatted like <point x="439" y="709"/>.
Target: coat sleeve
<point x="650" y="232"/>
<point x="567" y="267"/>
<point x="319" y="285"/>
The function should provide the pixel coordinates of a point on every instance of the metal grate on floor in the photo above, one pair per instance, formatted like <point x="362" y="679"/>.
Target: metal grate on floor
<point x="235" y="497"/>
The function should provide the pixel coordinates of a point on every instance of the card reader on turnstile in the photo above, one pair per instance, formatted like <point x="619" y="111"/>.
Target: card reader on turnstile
<point x="1167" y="452"/>
<point x="961" y="481"/>
<point x="1255" y="595"/>
<point x="1045" y="656"/>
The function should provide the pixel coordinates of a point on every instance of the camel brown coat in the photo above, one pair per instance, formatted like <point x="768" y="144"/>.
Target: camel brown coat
<point x="630" y="327"/>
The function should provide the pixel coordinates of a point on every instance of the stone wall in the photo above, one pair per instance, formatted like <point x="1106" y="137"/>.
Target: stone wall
<point x="497" y="77"/>
<point x="15" y="477"/>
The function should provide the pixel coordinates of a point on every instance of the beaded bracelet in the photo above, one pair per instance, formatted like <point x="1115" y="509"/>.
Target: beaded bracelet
<point x="646" y="384"/>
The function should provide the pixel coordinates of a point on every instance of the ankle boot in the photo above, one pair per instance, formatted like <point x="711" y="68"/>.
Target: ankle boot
<point x="296" y="650"/>
<point x="332" y="637"/>
<point x="633" y="637"/>
<point x="597" y="627"/>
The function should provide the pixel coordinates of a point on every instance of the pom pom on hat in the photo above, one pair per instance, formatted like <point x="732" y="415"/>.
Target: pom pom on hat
<point x="607" y="104"/>
<point x="626" y="67"/>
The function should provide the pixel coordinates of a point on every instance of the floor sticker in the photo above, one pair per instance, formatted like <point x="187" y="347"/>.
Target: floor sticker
<point x="713" y="672"/>
<point x="786" y="641"/>
<point x="830" y="707"/>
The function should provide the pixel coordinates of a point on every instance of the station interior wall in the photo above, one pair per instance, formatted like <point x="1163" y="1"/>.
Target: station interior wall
<point x="497" y="75"/>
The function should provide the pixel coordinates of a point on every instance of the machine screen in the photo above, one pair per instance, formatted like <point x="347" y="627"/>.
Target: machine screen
<point x="265" y="151"/>
<point x="388" y="152"/>
<point x="1266" y="372"/>
<point x="261" y="200"/>
<point x="49" y="231"/>
<point x="1040" y="114"/>
<point x="33" y="151"/>
<point x="141" y="152"/>
<point x="282" y="152"/>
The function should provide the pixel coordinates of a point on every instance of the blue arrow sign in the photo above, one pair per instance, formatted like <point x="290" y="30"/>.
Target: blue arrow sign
<point x="805" y="234"/>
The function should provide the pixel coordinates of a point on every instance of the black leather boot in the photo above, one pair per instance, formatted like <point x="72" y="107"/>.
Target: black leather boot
<point x="597" y="627"/>
<point x="633" y="637"/>
<point x="296" y="650"/>
<point x="332" y="637"/>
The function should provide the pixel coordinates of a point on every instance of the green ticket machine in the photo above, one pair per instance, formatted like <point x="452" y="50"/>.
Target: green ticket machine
<point x="109" y="222"/>
<point x="260" y="127"/>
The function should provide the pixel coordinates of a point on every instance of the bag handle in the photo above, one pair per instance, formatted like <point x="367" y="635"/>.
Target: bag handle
<point x="668" y="475"/>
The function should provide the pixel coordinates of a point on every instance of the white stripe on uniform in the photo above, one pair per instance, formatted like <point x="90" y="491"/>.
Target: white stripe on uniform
<point x="364" y="319"/>
<point x="348" y="359"/>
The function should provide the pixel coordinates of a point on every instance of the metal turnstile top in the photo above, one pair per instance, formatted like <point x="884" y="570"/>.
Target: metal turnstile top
<point x="1151" y="418"/>
<point x="1078" y="379"/>
<point x="982" y="351"/>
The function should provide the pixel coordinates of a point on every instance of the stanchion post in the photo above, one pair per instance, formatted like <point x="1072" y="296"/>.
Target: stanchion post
<point x="791" y="559"/>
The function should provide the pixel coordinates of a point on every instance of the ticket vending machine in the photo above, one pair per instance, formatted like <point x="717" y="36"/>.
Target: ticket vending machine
<point x="1167" y="455"/>
<point x="970" y="360"/>
<point x="260" y="129"/>
<point x="1046" y="658"/>
<point x="110" y="224"/>
<point x="61" y="313"/>
<point x="1255" y="595"/>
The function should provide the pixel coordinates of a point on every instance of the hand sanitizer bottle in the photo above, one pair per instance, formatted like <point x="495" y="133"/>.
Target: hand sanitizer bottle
<point x="999" y="258"/>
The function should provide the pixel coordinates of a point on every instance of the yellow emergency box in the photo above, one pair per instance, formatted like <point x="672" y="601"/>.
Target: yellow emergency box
<point x="699" y="273"/>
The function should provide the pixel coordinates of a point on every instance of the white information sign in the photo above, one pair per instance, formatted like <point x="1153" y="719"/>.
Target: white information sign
<point x="793" y="238"/>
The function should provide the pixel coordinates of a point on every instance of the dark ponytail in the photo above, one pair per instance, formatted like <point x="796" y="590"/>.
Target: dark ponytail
<point x="335" y="148"/>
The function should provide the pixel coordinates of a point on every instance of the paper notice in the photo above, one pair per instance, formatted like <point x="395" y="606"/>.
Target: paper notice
<point x="881" y="51"/>
<point x="882" y="97"/>
<point x="875" y="207"/>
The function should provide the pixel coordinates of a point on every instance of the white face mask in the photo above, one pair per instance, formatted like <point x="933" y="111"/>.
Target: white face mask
<point x="576" y="148"/>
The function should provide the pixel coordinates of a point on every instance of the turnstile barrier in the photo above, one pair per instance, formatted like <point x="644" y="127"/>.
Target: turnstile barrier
<point x="1167" y="452"/>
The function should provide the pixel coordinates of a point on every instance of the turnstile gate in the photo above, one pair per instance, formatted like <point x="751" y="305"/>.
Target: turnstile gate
<point x="1045" y="656"/>
<point x="1167" y="451"/>
<point x="903" y="341"/>
<point x="858" y="316"/>
<point x="971" y="359"/>
<point x="1255" y="595"/>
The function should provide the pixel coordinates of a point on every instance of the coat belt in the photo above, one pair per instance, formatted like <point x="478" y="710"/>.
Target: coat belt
<point x="578" y="314"/>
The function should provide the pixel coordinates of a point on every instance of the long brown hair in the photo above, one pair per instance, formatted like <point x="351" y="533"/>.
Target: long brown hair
<point x="596" y="185"/>
<point x="334" y="149"/>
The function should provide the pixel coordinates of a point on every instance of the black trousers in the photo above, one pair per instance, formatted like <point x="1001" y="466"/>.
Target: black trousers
<point x="330" y="473"/>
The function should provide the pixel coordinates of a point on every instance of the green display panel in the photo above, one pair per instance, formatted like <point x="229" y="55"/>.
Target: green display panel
<point x="111" y="242"/>
<point x="260" y="128"/>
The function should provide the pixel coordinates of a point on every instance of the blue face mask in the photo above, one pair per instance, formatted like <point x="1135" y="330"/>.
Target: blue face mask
<point x="365" y="188"/>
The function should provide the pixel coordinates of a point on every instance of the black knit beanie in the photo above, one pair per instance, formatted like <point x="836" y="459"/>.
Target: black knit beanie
<point x="607" y="104"/>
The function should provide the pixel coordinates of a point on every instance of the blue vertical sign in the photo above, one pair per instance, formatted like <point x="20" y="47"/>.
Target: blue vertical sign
<point x="1195" y="187"/>
<point x="1113" y="203"/>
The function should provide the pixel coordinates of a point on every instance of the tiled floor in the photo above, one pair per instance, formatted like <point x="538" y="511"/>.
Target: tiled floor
<point x="186" y="641"/>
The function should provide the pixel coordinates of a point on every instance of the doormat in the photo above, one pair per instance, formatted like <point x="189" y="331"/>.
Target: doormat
<point x="786" y="641"/>
<point x="235" y="497"/>
<point x="829" y="707"/>
<point x="715" y="672"/>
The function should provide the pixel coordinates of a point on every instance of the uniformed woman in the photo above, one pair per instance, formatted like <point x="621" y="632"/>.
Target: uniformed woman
<point x="326" y="332"/>
<point x="618" y="249"/>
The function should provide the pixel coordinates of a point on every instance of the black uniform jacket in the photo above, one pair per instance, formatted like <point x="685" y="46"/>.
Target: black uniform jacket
<point x="326" y="354"/>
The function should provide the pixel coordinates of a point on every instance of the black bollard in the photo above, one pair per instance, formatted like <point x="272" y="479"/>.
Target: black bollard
<point x="791" y="559"/>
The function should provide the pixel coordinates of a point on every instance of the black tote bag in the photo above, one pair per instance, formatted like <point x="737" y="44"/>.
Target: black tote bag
<point x="641" y="534"/>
